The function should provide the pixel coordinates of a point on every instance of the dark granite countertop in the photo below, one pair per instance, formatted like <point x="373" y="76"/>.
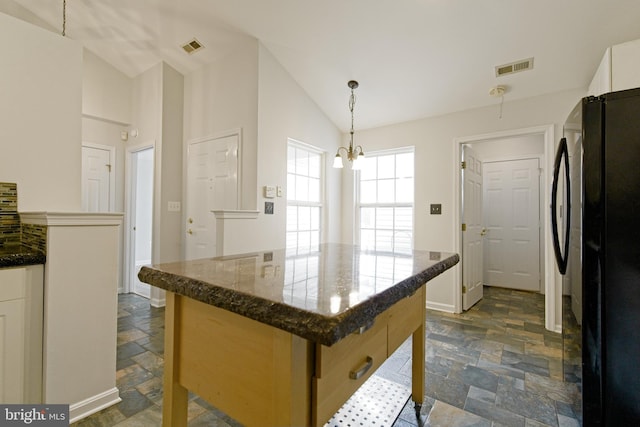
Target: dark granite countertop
<point x="18" y="255"/>
<point x="322" y="296"/>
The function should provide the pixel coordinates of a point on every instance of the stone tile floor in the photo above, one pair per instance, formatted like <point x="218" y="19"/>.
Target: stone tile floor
<point x="494" y="365"/>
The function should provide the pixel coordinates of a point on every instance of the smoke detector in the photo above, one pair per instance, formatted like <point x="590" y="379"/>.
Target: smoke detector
<point x="514" y="67"/>
<point x="497" y="91"/>
<point x="192" y="46"/>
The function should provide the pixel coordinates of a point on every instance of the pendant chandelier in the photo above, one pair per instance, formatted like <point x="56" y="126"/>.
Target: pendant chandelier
<point x="354" y="154"/>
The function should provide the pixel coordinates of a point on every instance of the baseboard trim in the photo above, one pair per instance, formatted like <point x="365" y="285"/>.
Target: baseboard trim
<point x="93" y="404"/>
<point x="158" y="302"/>
<point x="441" y="307"/>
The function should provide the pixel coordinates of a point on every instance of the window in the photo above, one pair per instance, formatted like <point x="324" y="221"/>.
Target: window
<point x="304" y="197"/>
<point x="385" y="201"/>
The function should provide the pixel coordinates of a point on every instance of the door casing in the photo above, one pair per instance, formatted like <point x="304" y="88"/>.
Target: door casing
<point x="551" y="278"/>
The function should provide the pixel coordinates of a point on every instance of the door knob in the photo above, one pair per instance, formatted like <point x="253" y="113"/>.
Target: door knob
<point x="483" y="232"/>
<point x="190" y="220"/>
<point x="189" y="231"/>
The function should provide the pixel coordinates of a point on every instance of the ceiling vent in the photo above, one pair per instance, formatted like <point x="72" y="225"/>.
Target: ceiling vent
<point x="514" y="67"/>
<point x="192" y="46"/>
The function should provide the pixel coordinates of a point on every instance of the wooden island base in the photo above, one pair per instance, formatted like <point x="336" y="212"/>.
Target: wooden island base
<point x="263" y="376"/>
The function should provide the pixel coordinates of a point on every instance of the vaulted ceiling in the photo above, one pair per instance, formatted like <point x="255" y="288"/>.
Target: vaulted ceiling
<point x="413" y="58"/>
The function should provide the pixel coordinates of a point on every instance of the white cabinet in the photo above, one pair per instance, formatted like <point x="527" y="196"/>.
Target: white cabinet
<point x="21" y="334"/>
<point x="618" y="70"/>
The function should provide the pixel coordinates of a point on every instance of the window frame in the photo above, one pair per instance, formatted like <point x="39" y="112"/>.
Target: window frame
<point x="321" y="204"/>
<point x="359" y="205"/>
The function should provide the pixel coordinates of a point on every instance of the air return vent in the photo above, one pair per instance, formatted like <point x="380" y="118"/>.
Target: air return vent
<point x="514" y="67"/>
<point x="192" y="46"/>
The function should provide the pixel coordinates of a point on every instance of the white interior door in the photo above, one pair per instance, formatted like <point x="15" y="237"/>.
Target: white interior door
<point x="96" y="179"/>
<point x="141" y="216"/>
<point x="512" y="218"/>
<point x="212" y="183"/>
<point x="472" y="231"/>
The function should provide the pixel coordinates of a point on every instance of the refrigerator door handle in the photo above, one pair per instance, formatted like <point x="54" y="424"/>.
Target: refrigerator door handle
<point x="562" y="257"/>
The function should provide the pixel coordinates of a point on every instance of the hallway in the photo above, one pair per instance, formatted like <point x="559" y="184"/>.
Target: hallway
<point x="494" y="365"/>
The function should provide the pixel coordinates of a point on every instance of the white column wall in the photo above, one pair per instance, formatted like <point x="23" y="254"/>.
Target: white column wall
<point x="40" y="107"/>
<point x="80" y="309"/>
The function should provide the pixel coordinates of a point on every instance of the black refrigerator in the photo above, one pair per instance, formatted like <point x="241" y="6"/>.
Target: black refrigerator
<point x="610" y="238"/>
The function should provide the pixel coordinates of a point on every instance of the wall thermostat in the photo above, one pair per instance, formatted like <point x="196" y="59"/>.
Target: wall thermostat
<point x="269" y="191"/>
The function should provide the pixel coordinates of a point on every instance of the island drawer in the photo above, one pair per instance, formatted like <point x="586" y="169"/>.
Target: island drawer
<point x="342" y="368"/>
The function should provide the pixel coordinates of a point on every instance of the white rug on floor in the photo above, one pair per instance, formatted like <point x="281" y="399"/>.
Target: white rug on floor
<point x="378" y="402"/>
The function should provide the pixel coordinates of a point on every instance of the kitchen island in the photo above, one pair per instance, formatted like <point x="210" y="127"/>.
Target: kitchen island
<point x="285" y="338"/>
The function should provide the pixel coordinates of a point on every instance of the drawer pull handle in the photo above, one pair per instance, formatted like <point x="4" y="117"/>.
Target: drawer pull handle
<point x="363" y="370"/>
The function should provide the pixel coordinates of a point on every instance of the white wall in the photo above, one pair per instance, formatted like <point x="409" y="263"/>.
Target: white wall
<point x="286" y="111"/>
<point x="436" y="166"/>
<point x="40" y="110"/>
<point x="106" y="112"/>
<point x="157" y="113"/>
<point x="106" y="91"/>
<point x="169" y="163"/>
<point x="250" y="90"/>
<point x="222" y="96"/>
<point x="510" y="148"/>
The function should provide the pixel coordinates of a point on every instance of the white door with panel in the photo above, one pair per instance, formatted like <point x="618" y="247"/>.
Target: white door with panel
<point x="472" y="230"/>
<point x="212" y="184"/>
<point x="96" y="179"/>
<point x="512" y="219"/>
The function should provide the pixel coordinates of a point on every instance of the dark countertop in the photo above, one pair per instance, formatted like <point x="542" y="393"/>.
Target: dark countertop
<point x="16" y="256"/>
<point x="322" y="296"/>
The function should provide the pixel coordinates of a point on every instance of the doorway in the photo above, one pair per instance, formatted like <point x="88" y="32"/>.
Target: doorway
<point x="498" y="147"/>
<point x="139" y="212"/>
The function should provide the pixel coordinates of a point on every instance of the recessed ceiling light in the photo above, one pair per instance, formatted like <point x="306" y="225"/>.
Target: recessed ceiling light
<point x="192" y="46"/>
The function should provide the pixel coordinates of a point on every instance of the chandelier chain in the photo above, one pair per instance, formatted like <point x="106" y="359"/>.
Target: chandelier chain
<point x="352" y="104"/>
<point x="64" y="18"/>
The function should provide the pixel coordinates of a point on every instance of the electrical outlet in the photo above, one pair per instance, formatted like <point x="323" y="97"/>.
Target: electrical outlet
<point x="436" y="209"/>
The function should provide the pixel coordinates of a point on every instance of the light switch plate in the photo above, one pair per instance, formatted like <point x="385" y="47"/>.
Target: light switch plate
<point x="436" y="209"/>
<point x="174" y="206"/>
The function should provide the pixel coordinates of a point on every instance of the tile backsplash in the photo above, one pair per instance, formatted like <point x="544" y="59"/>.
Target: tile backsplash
<point x="12" y="232"/>
<point x="9" y="218"/>
<point x="34" y="237"/>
